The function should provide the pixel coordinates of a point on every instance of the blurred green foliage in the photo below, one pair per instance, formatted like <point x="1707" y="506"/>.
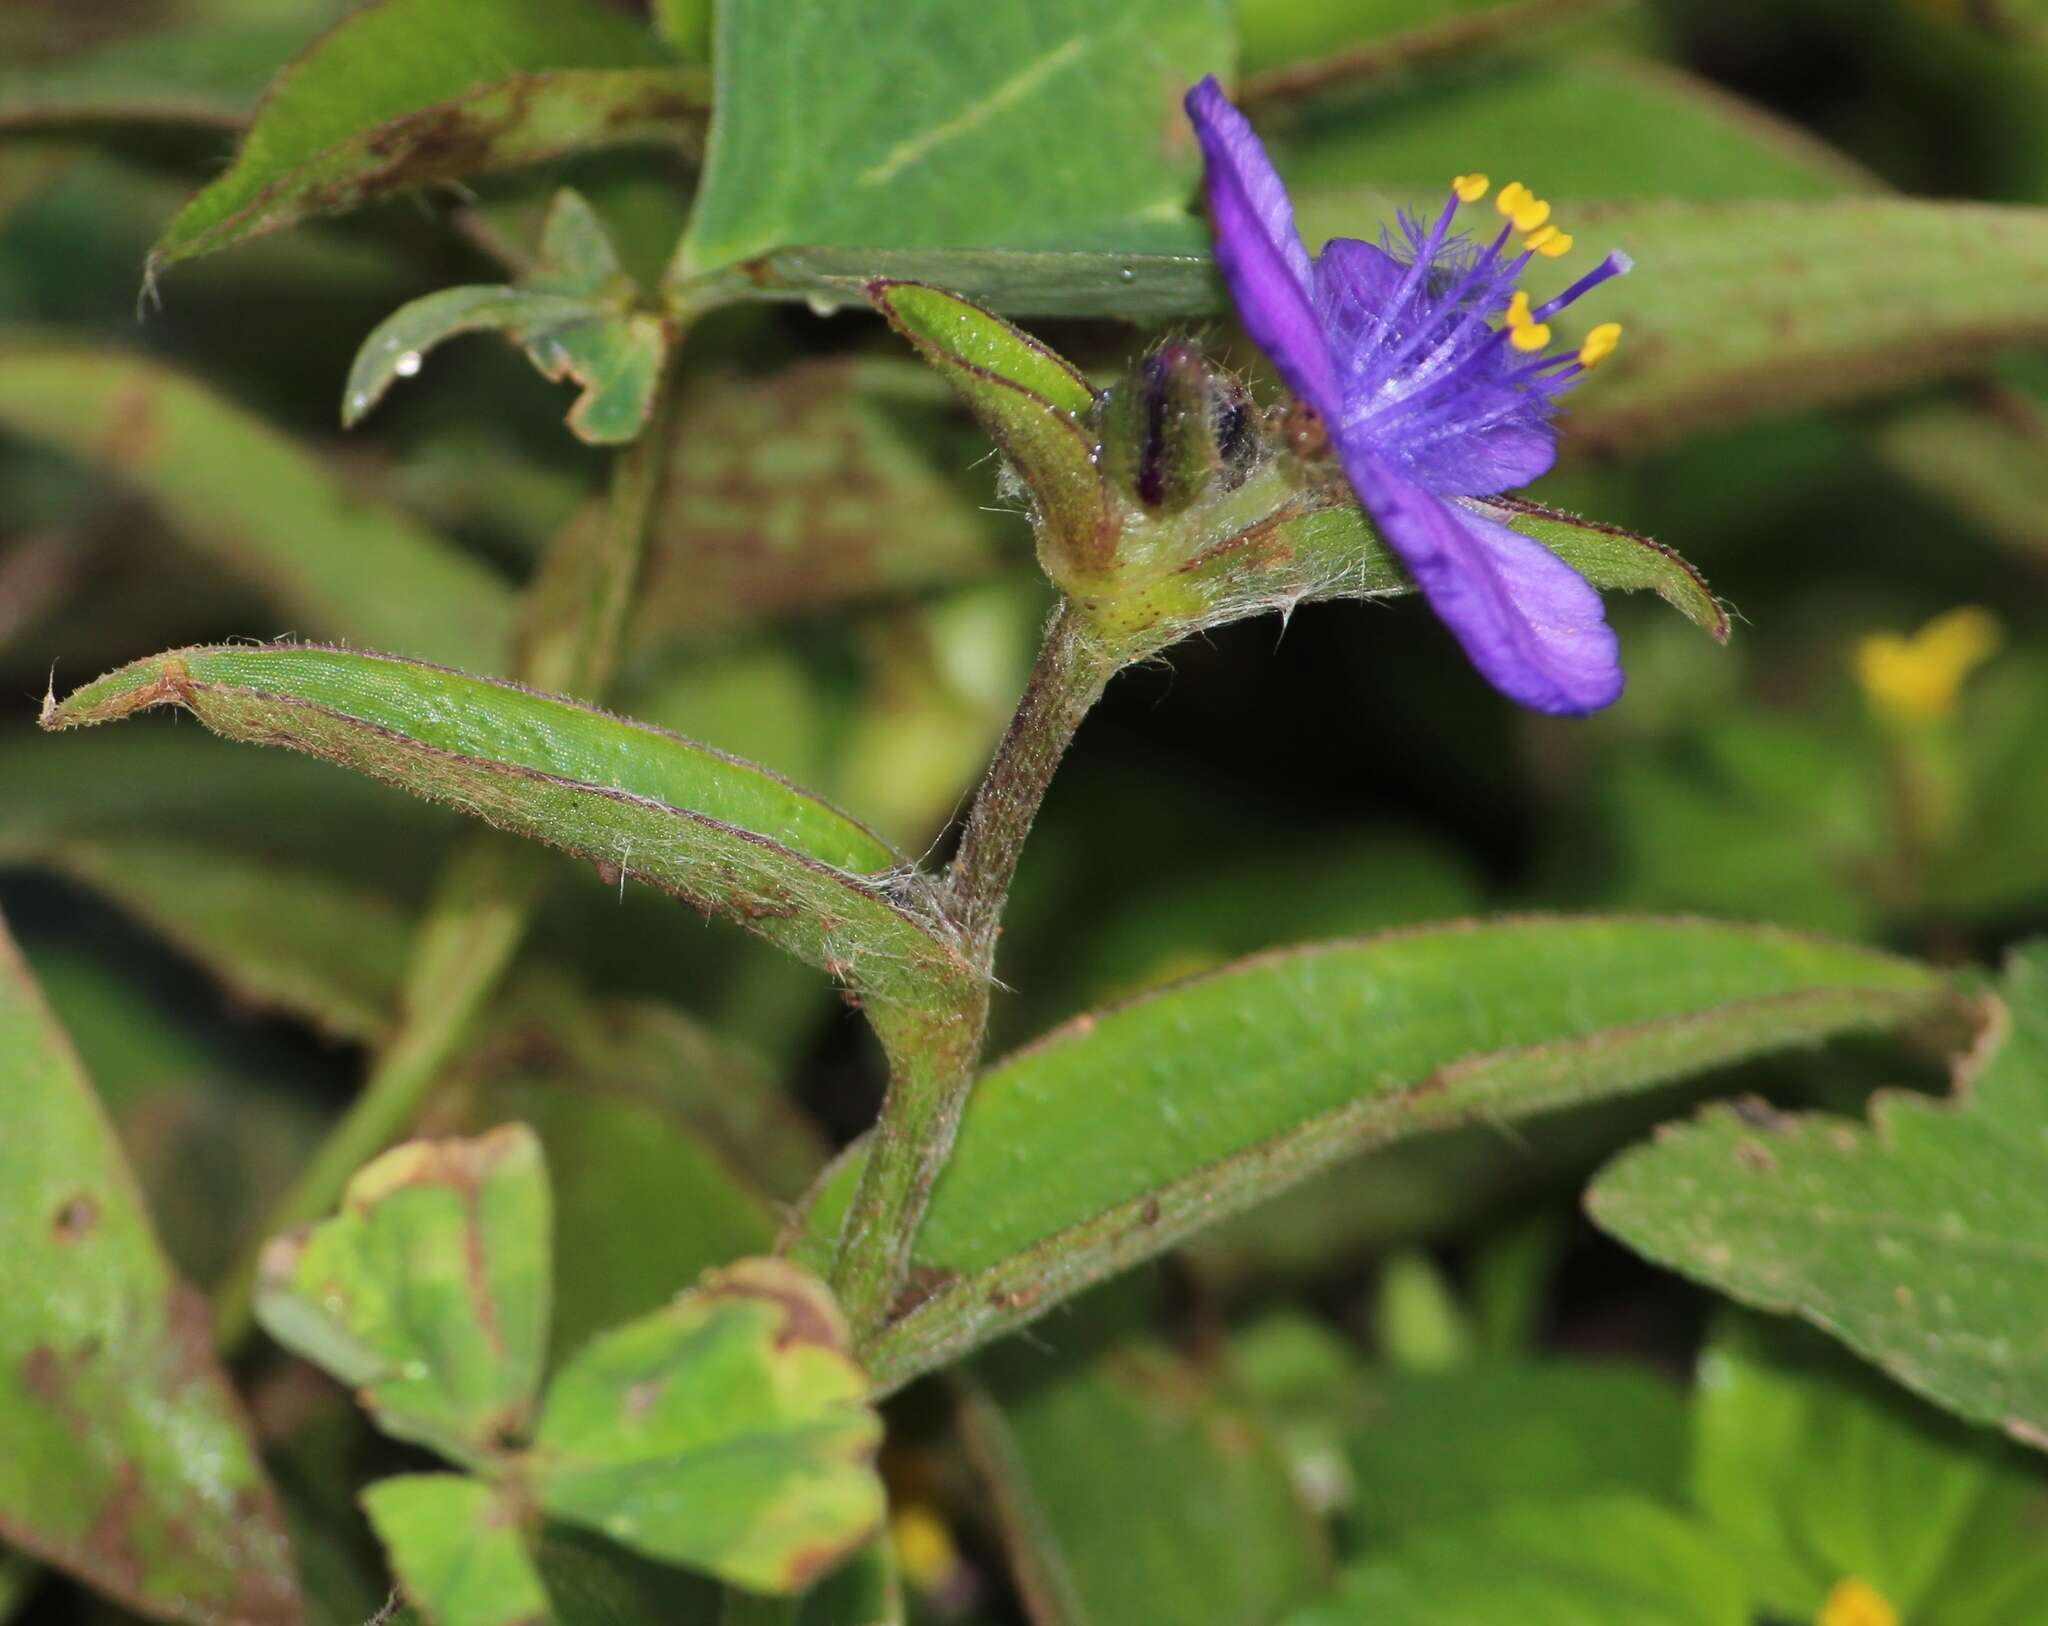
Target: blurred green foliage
<point x="1831" y="399"/>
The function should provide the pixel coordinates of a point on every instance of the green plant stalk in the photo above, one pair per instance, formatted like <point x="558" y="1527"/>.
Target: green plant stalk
<point x="485" y="898"/>
<point x="933" y="1054"/>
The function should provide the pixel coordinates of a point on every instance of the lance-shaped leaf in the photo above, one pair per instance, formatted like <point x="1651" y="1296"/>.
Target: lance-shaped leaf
<point x="573" y="314"/>
<point x="276" y="937"/>
<point x="1121" y="1133"/>
<point x="458" y="1550"/>
<point x="890" y="504"/>
<point x="1032" y="403"/>
<point x="202" y="75"/>
<point x="123" y="1455"/>
<point x="1160" y="271"/>
<point x="1920" y="1240"/>
<point x="258" y="505"/>
<point x="413" y="91"/>
<point x="429" y="1291"/>
<point x="1294" y="51"/>
<point x="720" y="833"/>
<point x="729" y="1432"/>
<point x="1050" y="125"/>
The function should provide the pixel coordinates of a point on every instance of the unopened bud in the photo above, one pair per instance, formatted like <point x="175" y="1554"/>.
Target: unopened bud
<point x="1175" y="428"/>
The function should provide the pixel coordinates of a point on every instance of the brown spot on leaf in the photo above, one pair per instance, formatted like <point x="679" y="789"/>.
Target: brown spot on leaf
<point x="1756" y="1157"/>
<point x="642" y="1398"/>
<point x="75" y="1218"/>
<point x="1758" y="1113"/>
<point x="110" y="1549"/>
<point x="132" y="431"/>
<point x="809" y="1316"/>
<point x="923" y="1282"/>
<point x="2026" y="1432"/>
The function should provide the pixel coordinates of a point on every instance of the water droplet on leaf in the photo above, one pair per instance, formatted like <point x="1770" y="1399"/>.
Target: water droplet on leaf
<point x="406" y="365"/>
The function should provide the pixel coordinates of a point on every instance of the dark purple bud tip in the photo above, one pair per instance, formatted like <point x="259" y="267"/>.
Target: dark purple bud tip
<point x="1176" y="427"/>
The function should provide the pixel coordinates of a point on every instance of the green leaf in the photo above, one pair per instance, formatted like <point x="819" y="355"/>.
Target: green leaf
<point x="1132" y="1486"/>
<point x="1116" y="1136"/>
<point x="397" y="344"/>
<point x="128" y="1461"/>
<point x="413" y="91"/>
<point x="428" y="1291"/>
<point x="1920" y="1240"/>
<point x="196" y="75"/>
<point x="718" y="832"/>
<point x="1163" y="271"/>
<point x="1308" y="1380"/>
<point x="1564" y="121"/>
<point x="1033" y="404"/>
<point x="457" y="1549"/>
<point x="864" y="1591"/>
<point x="573" y="314"/>
<point x="1821" y="1471"/>
<point x="1590" y="1561"/>
<point x="1431" y="1449"/>
<point x="1292" y="48"/>
<point x="1979" y="454"/>
<point x="256" y="504"/>
<point x="1043" y="126"/>
<point x="275" y="937"/>
<point x="819" y="485"/>
<point x="653" y="1131"/>
<point x="728" y="1432"/>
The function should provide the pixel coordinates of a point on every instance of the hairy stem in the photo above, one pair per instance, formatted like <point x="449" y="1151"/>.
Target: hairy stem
<point x="932" y="1054"/>
<point x="1072" y="670"/>
<point x="486" y="896"/>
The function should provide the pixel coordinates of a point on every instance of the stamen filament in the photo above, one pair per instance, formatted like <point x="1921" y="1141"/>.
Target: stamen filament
<point x="1615" y="265"/>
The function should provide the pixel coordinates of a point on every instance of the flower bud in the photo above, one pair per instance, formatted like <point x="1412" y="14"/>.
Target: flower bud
<point x="1175" y="428"/>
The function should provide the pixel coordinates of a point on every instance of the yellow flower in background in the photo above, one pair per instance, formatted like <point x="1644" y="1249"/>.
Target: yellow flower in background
<point x="925" y="1554"/>
<point x="1856" y="1603"/>
<point x="1918" y="678"/>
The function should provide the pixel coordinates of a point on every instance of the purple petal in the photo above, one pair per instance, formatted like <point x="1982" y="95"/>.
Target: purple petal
<point x="1530" y="623"/>
<point x="1482" y="462"/>
<point x="1259" y="250"/>
<point x="1491" y="435"/>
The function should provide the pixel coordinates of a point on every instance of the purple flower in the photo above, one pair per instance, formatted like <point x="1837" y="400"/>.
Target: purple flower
<point x="1426" y="401"/>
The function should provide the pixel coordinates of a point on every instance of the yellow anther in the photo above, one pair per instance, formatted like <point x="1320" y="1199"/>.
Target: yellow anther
<point x="1529" y="336"/>
<point x="1856" y="1603"/>
<point x="1518" y="310"/>
<point x="1536" y="239"/>
<point x="1470" y="188"/>
<point x="1551" y="247"/>
<point x="1531" y="215"/>
<point x="1512" y="197"/>
<point x="1918" y="679"/>
<point x="1599" y="344"/>
<point x="925" y="1553"/>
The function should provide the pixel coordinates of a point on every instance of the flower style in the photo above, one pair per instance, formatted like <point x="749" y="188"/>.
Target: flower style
<point x="1426" y="401"/>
